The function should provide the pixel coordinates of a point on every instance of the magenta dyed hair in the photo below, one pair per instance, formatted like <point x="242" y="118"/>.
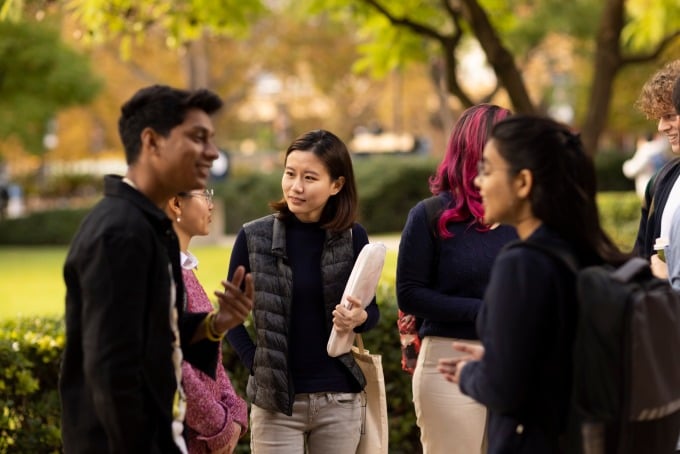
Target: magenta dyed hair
<point x="458" y="169"/>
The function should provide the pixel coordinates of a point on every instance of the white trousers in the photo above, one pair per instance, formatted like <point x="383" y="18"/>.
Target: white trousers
<point x="449" y="421"/>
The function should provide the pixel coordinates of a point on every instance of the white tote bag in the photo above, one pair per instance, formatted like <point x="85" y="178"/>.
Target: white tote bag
<point x="374" y="427"/>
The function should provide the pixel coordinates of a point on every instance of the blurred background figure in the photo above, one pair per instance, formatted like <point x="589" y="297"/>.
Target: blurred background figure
<point x="651" y="154"/>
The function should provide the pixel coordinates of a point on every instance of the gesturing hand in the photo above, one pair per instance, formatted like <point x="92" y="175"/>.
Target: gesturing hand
<point x="451" y="368"/>
<point x="235" y="304"/>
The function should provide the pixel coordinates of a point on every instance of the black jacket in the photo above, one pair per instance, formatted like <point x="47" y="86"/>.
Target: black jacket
<point x="656" y="195"/>
<point x="117" y="381"/>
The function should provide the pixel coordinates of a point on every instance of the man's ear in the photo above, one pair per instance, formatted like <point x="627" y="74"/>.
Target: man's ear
<point x="337" y="185"/>
<point x="149" y="139"/>
<point x="524" y="182"/>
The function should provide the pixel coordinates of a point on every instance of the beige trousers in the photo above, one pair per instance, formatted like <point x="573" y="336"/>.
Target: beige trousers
<point x="450" y="422"/>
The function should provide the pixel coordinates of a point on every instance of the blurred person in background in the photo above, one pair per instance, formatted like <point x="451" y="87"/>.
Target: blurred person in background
<point x="650" y="155"/>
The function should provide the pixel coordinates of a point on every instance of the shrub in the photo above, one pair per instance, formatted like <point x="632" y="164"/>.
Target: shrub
<point x="246" y="197"/>
<point x="389" y="187"/>
<point x="620" y="216"/>
<point x="30" y="350"/>
<point x="610" y="177"/>
<point x="45" y="227"/>
<point x="30" y="353"/>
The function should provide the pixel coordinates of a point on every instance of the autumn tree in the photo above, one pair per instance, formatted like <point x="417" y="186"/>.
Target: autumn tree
<point x="39" y="75"/>
<point x="508" y="32"/>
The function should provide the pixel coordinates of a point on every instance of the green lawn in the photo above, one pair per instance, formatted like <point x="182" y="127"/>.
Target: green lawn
<point x="32" y="282"/>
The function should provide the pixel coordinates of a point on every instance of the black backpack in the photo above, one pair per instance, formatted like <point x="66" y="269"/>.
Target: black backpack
<point x="626" y="357"/>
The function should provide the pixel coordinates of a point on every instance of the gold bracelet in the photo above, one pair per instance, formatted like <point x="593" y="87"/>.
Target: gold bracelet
<point x="210" y="331"/>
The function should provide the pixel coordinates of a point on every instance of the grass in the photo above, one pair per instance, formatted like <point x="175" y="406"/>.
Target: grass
<point x="32" y="282"/>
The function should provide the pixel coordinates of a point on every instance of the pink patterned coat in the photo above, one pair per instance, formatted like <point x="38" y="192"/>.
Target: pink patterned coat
<point x="212" y="405"/>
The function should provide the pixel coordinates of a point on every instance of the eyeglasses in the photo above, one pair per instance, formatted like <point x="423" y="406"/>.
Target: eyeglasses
<point x="207" y="194"/>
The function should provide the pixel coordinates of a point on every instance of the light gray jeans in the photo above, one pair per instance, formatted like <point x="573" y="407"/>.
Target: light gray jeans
<point x="321" y="423"/>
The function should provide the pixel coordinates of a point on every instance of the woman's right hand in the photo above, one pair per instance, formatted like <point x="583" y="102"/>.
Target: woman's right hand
<point x="474" y="352"/>
<point x="234" y="304"/>
<point x="451" y="368"/>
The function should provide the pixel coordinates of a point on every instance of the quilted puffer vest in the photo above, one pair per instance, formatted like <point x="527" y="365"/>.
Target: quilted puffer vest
<point x="270" y="386"/>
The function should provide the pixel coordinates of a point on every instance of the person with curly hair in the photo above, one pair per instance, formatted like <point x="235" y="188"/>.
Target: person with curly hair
<point x="662" y="196"/>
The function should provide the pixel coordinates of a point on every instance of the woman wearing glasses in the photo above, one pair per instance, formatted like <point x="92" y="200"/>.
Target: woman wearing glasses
<point x="216" y="417"/>
<point x="536" y="177"/>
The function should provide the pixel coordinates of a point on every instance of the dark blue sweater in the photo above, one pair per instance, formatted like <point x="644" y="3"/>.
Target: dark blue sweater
<point x="444" y="284"/>
<point x="311" y="369"/>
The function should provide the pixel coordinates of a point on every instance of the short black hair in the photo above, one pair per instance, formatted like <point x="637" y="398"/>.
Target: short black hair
<point x="160" y="108"/>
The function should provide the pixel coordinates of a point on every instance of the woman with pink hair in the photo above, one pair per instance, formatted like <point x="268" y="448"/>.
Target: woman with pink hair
<point x="445" y="257"/>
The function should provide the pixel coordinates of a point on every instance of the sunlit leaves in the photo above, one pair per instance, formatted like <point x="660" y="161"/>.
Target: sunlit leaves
<point x="182" y="21"/>
<point x="649" y="22"/>
<point x="38" y="76"/>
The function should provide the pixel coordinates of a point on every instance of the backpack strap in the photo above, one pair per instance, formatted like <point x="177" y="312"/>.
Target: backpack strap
<point x="630" y="269"/>
<point x="659" y="175"/>
<point x="561" y="255"/>
<point x="624" y="273"/>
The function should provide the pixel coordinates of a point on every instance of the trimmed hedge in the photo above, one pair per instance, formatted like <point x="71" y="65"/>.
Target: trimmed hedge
<point x="388" y="187"/>
<point x="30" y="352"/>
<point x="42" y="228"/>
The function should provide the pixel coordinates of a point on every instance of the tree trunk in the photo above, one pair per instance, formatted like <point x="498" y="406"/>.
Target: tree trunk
<point x="197" y="65"/>
<point x="607" y="63"/>
<point x="499" y="57"/>
<point x="446" y="119"/>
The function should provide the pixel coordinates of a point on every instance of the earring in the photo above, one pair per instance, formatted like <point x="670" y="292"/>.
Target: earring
<point x="178" y="219"/>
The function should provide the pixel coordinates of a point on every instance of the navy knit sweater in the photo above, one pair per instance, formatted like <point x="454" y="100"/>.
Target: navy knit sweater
<point x="443" y="285"/>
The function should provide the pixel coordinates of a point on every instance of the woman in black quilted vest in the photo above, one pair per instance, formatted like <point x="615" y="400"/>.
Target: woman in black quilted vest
<point x="300" y="258"/>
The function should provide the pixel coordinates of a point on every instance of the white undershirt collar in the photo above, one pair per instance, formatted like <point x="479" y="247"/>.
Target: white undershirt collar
<point x="188" y="260"/>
